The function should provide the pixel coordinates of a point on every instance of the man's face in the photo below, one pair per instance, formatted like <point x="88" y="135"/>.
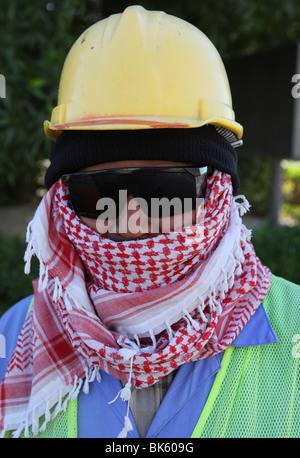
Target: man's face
<point x="146" y="227"/>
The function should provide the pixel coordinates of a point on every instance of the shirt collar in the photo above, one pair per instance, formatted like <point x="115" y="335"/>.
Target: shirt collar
<point x="258" y="331"/>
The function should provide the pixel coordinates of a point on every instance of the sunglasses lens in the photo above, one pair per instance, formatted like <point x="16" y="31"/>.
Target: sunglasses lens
<point x="84" y="196"/>
<point x="169" y="194"/>
<point x="160" y="192"/>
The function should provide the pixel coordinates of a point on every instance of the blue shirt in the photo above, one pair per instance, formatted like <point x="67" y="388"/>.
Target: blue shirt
<point x="183" y="403"/>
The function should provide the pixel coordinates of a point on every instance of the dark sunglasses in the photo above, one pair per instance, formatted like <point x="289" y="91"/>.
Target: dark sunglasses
<point x="186" y="184"/>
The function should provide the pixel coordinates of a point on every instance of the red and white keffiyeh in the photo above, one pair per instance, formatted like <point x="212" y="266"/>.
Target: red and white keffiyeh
<point x="136" y="309"/>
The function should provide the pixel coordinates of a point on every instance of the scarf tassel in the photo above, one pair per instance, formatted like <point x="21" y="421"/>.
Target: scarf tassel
<point x="125" y="393"/>
<point x="201" y="308"/>
<point x="169" y="330"/>
<point x="127" y="427"/>
<point x="57" y="293"/>
<point x="242" y="207"/>
<point x="191" y="323"/>
<point x="90" y="375"/>
<point x="33" y="420"/>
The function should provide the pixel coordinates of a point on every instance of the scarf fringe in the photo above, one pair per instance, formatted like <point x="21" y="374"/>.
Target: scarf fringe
<point x="43" y="280"/>
<point x="127" y="427"/>
<point x="51" y="410"/>
<point x="244" y="206"/>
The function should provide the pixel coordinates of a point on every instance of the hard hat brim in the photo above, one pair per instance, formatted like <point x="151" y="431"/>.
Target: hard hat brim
<point x="53" y="131"/>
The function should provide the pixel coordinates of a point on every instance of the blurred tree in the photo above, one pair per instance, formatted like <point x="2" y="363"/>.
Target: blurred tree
<point x="36" y="36"/>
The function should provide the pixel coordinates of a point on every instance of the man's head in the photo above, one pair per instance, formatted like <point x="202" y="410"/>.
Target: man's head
<point x="143" y="89"/>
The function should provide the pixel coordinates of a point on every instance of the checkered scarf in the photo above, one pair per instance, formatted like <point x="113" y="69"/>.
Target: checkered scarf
<point x="137" y="310"/>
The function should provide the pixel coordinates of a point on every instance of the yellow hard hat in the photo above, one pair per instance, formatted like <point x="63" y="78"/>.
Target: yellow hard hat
<point x="143" y="69"/>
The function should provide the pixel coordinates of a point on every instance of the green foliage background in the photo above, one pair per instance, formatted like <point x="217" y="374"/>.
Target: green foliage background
<point x="33" y="45"/>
